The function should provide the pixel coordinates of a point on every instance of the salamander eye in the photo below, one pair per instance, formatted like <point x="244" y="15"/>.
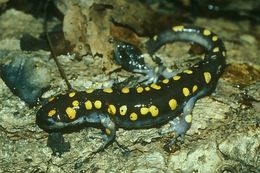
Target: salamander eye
<point x="45" y="119"/>
<point x="49" y="121"/>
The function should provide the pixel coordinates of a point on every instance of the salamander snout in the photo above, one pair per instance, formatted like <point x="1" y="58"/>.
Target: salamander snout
<point x="43" y="120"/>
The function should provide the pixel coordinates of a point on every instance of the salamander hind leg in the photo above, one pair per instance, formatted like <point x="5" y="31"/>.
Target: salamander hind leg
<point x="180" y="125"/>
<point x="108" y="127"/>
<point x="109" y="130"/>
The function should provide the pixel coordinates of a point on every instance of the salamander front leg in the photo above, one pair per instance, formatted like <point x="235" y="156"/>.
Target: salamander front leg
<point x="180" y="125"/>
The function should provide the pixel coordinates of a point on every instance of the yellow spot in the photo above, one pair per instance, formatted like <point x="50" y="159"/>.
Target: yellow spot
<point x="139" y="89"/>
<point x="144" y="110"/>
<point x="88" y="105"/>
<point x="186" y="91"/>
<point x="216" y="49"/>
<point x="165" y="81"/>
<point x="155" y="86"/>
<point x="108" y="131"/>
<point x="98" y="104"/>
<point x="214" y="38"/>
<point x="155" y="37"/>
<point x="176" y="77"/>
<point x="206" y="32"/>
<point x="207" y="77"/>
<point x="108" y="90"/>
<point x="147" y="88"/>
<point x="194" y="88"/>
<point x="133" y="116"/>
<point x="51" y="113"/>
<point x="72" y="94"/>
<point x="51" y="99"/>
<point x="122" y="110"/>
<point x="75" y="103"/>
<point x="187" y="71"/>
<point x="111" y="109"/>
<point x="71" y="113"/>
<point x="154" y="110"/>
<point x="178" y="28"/>
<point x="173" y="104"/>
<point x="125" y="90"/>
<point x="89" y="91"/>
<point x="188" y="118"/>
<point x="224" y="53"/>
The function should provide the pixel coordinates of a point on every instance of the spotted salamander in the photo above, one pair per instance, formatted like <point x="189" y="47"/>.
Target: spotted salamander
<point x="168" y="100"/>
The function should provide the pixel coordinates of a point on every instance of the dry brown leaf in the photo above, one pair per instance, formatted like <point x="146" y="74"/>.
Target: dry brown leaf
<point x="75" y="29"/>
<point x="91" y="27"/>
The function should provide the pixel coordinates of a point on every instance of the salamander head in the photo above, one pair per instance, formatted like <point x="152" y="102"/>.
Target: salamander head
<point x="56" y="115"/>
<point x="49" y="119"/>
<point x="64" y="111"/>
